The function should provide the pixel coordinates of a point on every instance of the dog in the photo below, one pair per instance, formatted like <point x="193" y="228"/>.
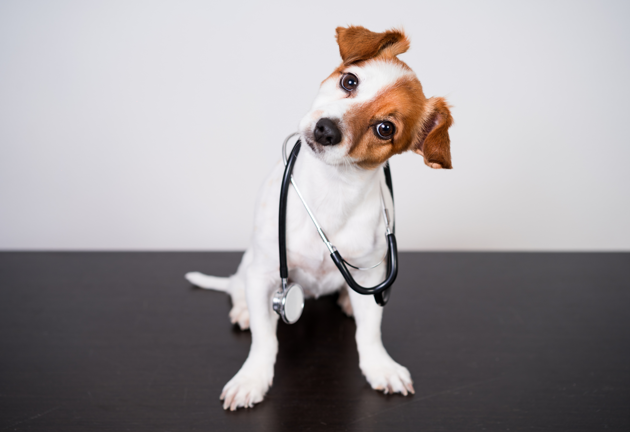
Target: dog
<point x="370" y="108"/>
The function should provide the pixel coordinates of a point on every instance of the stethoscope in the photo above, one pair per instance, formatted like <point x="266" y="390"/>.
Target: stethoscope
<point x="288" y="302"/>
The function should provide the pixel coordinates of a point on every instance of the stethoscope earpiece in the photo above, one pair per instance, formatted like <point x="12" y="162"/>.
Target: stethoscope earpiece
<point x="289" y="302"/>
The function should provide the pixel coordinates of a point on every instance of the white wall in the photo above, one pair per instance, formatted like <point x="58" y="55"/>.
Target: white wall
<point x="150" y="125"/>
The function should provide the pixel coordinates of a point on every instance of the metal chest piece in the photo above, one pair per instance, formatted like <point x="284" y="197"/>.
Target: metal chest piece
<point x="288" y="302"/>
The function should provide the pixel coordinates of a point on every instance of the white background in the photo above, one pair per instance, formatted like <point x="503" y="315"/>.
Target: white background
<point x="150" y="125"/>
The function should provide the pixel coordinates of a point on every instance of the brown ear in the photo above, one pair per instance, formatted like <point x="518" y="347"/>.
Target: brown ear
<point x="357" y="43"/>
<point x="433" y="141"/>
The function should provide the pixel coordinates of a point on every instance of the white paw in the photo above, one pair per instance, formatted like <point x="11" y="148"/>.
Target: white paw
<point x="244" y="390"/>
<point x="240" y="314"/>
<point x="387" y="375"/>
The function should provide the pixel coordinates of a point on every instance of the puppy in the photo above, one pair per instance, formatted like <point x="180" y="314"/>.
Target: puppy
<point x="370" y="108"/>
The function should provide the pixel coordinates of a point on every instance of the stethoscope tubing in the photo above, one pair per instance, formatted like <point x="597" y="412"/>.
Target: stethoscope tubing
<point x="379" y="291"/>
<point x="392" y="269"/>
<point x="282" y="219"/>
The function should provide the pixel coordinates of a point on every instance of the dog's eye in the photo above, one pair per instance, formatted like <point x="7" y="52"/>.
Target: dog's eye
<point x="349" y="82"/>
<point x="385" y="130"/>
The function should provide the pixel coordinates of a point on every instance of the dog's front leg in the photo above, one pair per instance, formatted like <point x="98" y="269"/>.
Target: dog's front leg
<point x="381" y="371"/>
<point x="252" y="381"/>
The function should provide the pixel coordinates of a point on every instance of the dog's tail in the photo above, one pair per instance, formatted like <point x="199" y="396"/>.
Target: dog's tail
<point x="209" y="282"/>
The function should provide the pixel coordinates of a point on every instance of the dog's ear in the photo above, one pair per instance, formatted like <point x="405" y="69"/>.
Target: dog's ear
<point x="357" y="43"/>
<point x="433" y="142"/>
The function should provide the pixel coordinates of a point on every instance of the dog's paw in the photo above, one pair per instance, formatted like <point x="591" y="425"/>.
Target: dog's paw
<point x="244" y="390"/>
<point x="240" y="315"/>
<point x="388" y="376"/>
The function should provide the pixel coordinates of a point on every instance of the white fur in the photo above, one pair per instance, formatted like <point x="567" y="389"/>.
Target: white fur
<point x="346" y="201"/>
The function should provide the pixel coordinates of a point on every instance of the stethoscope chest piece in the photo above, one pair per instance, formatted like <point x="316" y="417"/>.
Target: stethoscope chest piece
<point x="289" y="303"/>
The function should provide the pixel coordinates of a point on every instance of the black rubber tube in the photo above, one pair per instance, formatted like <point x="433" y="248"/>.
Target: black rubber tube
<point x="392" y="257"/>
<point x="282" y="219"/>
<point x="390" y="186"/>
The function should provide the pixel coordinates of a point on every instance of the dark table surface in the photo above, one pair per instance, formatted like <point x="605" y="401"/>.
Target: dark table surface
<point x="494" y="341"/>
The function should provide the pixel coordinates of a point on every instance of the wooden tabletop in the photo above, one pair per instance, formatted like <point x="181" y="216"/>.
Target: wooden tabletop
<point x="494" y="341"/>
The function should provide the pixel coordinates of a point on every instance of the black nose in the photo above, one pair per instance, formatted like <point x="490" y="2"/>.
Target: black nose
<point x="326" y="132"/>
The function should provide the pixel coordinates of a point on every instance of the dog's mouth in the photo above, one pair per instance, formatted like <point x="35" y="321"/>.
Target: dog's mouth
<point x="330" y="155"/>
<point x="311" y="143"/>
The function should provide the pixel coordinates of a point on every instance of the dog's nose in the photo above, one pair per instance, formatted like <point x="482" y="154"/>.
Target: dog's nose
<point x="327" y="132"/>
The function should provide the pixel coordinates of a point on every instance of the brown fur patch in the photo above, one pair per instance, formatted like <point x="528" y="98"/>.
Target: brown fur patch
<point x="358" y="44"/>
<point x="403" y="104"/>
<point x="433" y="141"/>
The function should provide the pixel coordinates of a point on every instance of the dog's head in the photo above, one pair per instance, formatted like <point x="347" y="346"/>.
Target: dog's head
<point x="372" y="106"/>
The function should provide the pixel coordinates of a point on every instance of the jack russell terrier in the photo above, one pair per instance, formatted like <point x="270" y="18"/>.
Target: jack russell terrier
<point x="370" y="108"/>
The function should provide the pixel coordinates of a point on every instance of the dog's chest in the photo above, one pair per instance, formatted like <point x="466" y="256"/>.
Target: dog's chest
<point x="356" y="231"/>
<point x="349" y="212"/>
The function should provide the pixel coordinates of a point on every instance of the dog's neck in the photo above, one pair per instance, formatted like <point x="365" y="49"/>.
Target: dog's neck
<point x="334" y="190"/>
